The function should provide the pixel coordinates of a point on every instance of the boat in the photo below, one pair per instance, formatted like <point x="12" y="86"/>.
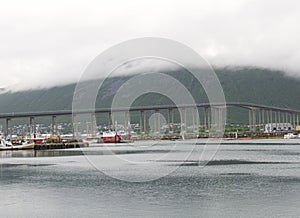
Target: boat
<point x="290" y="135"/>
<point x="92" y="140"/>
<point x="111" y="137"/>
<point x="7" y="145"/>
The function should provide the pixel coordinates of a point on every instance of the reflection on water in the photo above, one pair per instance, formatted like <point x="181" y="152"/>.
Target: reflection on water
<point x="243" y="180"/>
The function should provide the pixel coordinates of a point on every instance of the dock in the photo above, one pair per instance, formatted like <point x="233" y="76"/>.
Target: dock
<point x="61" y="145"/>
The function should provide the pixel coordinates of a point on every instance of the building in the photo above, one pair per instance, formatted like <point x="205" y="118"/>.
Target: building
<point x="277" y="127"/>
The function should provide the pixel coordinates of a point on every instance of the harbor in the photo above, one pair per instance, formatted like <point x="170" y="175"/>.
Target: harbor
<point x="207" y="122"/>
<point x="62" y="183"/>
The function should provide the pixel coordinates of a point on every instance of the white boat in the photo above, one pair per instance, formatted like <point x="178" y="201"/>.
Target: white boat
<point x="290" y="136"/>
<point x="92" y="140"/>
<point x="7" y="145"/>
<point x="111" y="137"/>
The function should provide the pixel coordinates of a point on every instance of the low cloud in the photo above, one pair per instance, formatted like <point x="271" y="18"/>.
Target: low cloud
<point x="48" y="43"/>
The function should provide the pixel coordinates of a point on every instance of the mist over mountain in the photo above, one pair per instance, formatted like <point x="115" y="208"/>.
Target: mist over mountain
<point x="253" y="85"/>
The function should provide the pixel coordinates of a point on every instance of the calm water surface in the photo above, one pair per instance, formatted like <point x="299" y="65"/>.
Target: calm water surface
<point x="243" y="180"/>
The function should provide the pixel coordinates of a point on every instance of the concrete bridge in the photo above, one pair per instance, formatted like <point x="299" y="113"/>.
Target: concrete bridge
<point x="210" y="113"/>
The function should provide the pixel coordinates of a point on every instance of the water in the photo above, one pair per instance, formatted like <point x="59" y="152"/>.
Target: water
<point x="243" y="180"/>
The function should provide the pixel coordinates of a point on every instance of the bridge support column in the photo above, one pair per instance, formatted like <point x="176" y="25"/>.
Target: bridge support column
<point x="285" y="120"/>
<point x="158" y="122"/>
<point x="275" y="120"/>
<point x="169" y="118"/>
<point x="294" y="121"/>
<point x="93" y="124"/>
<point x="259" y="120"/>
<point x="172" y="120"/>
<point x="127" y="120"/>
<point x="74" y="129"/>
<point x="141" y="121"/>
<point x="252" y="120"/>
<point x="196" y="120"/>
<point x="145" y="122"/>
<point x="109" y="123"/>
<point x="209" y="118"/>
<point x="8" y="127"/>
<point x="279" y="119"/>
<point x="53" y="125"/>
<point x="32" y="125"/>
<point x="205" y="118"/>
<point x="182" y="122"/>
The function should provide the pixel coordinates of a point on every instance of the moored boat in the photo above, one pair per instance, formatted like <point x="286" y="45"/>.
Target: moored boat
<point x="290" y="135"/>
<point x="111" y="137"/>
<point x="7" y="145"/>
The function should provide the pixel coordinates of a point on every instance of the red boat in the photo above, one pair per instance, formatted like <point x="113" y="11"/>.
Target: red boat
<point x="111" y="137"/>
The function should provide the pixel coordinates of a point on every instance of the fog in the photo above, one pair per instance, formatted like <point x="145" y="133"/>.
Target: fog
<point x="48" y="43"/>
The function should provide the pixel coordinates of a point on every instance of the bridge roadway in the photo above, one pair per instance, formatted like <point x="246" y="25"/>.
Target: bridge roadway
<point x="248" y="106"/>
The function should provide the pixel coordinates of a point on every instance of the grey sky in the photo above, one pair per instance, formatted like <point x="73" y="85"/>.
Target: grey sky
<point x="46" y="43"/>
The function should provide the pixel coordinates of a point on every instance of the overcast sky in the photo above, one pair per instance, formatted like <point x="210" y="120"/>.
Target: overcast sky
<point x="46" y="43"/>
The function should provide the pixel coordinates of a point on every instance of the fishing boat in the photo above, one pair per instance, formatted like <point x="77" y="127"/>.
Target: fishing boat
<point x="92" y="140"/>
<point x="290" y="136"/>
<point x="111" y="137"/>
<point x="7" y="145"/>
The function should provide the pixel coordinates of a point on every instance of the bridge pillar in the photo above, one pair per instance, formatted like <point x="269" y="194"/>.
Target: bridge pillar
<point x="93" y="124"/>
<point x="267" y="116"/>
<point x="252" y="120"/>
<point x="284" y="120"/>
<point x="109" y="119"/>
<point x="205" y="118"/>
<point x="294" y="121"/>
<point x="217" y="118"/>
<point x="53" y="125"/>
<point x="158" y="121"/>
<point x="169" y="118"/>
<point x="145" y="122"/>
<point x="182" y="122"/>
<point x="172" y="120"/>
<point x="279" y="119"/>
<point x="209" y="118"/>
<point x="8" y="127"/>
<point x="259" y="119"/>
<point x="127" y="120"/>
<point x="196" y="120"/>
<point x="275" y="120"/>
<point x="32" y="125"/>
<point x="141" y="121"/>
<point x="74" y="131"/>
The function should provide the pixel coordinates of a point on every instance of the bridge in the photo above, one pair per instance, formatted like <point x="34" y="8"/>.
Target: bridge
<point x="211" y="113"/>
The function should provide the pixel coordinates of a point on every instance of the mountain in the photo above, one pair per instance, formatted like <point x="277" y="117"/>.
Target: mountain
<point x="253" y="85"/>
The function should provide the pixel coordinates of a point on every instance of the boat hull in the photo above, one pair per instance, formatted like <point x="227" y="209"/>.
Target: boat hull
<point x="17" y="147"/>
<point x="112" y="139"/>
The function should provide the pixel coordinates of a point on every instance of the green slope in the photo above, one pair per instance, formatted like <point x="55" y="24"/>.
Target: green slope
<point x="254" y="85"/>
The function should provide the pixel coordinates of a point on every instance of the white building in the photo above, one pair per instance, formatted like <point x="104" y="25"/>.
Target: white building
<point x="277" y="127"/>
